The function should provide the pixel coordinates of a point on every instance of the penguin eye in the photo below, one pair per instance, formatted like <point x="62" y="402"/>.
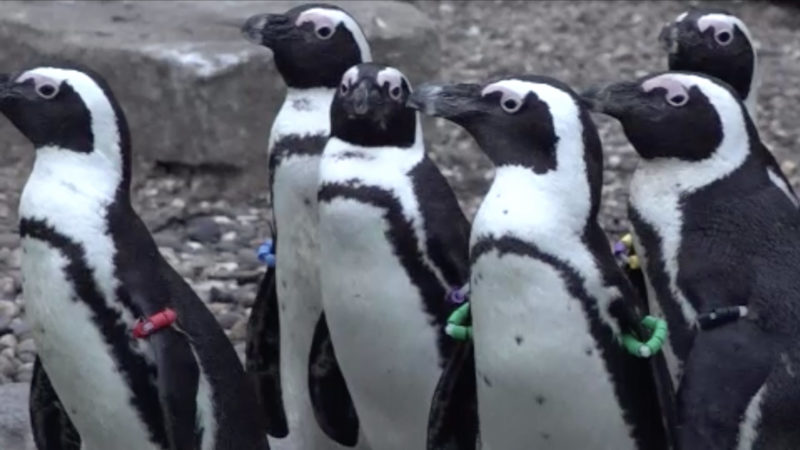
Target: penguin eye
<point x="510" y="105"/>
<point x="677" y="99"/>
<point x="723" y="37"/>
<point x="324" y="32"/>
<point x="344" y="88"/>
<point x="46" y="91"/>
<point x="395" y="92"/>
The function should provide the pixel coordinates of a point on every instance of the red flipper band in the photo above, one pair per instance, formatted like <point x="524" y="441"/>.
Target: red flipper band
<point x="159" y="320"/>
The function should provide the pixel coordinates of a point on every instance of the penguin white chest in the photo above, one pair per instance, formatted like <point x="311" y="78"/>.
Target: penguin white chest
<point x="300" y="304"/>
<point x="75" y="354"/>
<point x="385" y="341"/>
<point x="542" y="382"/>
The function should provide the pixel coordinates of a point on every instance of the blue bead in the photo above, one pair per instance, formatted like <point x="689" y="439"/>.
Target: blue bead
<point x="266" y="253"/>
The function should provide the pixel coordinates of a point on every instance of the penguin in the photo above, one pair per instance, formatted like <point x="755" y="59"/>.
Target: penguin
<point x="548" y="302"/>
<point x="717" y="43"/>
<point x="393" y="242"/>
<point x="135" y="358"/>
<point x="289" y="356"/>
<point x="720" y="245"/>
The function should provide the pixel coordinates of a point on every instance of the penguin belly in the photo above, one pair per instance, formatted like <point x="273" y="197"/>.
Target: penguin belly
<point x="385" y="341"/>
<point x="77" y="358"/>
<point x="542" y="382"/>
<point x="299" y="296"/>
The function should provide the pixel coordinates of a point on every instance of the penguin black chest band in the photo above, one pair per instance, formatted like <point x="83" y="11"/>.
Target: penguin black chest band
<point x="162" y="319"/>
<point x="721" y="316"/>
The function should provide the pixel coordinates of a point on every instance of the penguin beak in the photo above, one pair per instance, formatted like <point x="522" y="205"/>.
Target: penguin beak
<point x="668" y="38"/>
<point x="616" y="100"/>
<point x="6" y="87"/>
<point x="448" y="101"/>
<point x="267" y="29"/>
<point x="359" y="100"/>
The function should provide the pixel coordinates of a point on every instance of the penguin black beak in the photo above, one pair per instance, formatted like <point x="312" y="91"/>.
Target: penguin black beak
<point x="448" y="101"/>
<point x="6" y="87"/>
<point x="267" y="29"/>
<point x="668" y="38"/>
<point x="616" y="100"/>
<point x="359" y="100"/>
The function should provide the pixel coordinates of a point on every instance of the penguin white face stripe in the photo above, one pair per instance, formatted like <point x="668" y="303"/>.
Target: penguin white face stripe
<point x="655" y="193"/>
<point x="320" y="16"/>
<point x="557" y="203"/>
<point x="104" y="120"/>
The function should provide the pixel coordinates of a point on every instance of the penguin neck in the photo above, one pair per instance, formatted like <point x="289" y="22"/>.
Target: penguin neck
<point x="402" y="158"/>
<point x="64" y="182"/>
<point x="657" y="177"/>
<point x="304" y="112"/>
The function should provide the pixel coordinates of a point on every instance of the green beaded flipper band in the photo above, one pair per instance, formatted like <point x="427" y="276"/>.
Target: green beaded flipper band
<point x="658" y="334"/>
<point x="455" y="324"/>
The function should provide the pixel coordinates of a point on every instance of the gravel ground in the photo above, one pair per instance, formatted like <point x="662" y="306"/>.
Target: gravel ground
<point x="212" y="240"/>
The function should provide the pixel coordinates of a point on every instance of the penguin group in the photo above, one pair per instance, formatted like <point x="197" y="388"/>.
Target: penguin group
<point x="385" y="319"/>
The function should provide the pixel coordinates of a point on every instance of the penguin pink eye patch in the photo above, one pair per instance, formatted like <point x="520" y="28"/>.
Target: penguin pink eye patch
<point x="510" y="100"/>
<point x="324" y="25"/>
<point x="722" y="26"/>
<point x="45" y="86"/>
<point x="677" y="94"/>
<point x="394" y="79"/>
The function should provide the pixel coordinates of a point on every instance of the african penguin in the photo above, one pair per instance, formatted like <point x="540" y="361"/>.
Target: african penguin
<point x="717" y="43"/>
<point x="136" y="359"/>
<point x="720" y="246"/>
<point x="289" y="355"/>
<point x="393" y="241"/>
<point x="548" y="301"/>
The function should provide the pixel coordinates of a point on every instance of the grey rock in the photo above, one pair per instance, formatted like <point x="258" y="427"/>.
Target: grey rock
<point x="8" y="341"/>
<point x="8" y="366"/>
<point x="8" y="308"/>
<point x="20" y="328"/>
<point x="239" y="330"/>
<point x="203" y="229"/>
<point x="26" y="358"/>
<point x="228" y="320"/>
<point x="15" y="432"/>
<point x="217" y="295"/>
<point x="26" y="346"/>
<point x="201" y="95"/>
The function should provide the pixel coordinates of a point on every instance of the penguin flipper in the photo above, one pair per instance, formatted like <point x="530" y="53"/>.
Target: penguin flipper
<point x="262" y="355"/>
<point x="333" y="406"/>
<point x="52" y="428"/>
<point x="453" y="418"/>
<point x="178" y="382"/>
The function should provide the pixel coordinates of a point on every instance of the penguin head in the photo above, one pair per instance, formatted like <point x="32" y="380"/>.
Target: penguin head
<point x="70" y="111"/>
<point x="369" y="108"/>
<point x="65" y="107"/>
<point x="312" y="44"/>
<point x="516" y="121"/>
<point x="679" y="115"/>
<point x="713" y="42"/>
